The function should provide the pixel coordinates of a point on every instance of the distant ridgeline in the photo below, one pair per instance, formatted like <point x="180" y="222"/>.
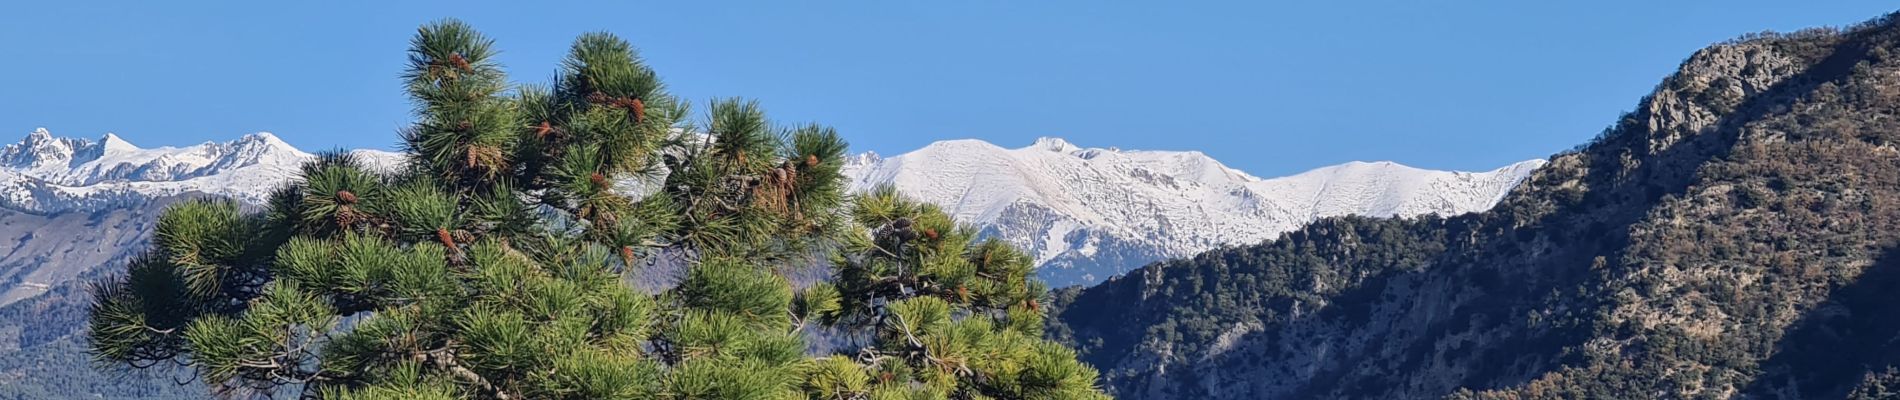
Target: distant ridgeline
<point x="1734" y="235"/>
<point x="1084" y="213"/>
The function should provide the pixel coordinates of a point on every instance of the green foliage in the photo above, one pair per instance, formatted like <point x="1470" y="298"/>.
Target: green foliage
<point x="466" y="123"/>
<point x="733" y="287"/>
<point x="950" y="314"/>
<point x="496" y="265"/>
<point x="135" y="316"/>
<point x="203" y="239"/>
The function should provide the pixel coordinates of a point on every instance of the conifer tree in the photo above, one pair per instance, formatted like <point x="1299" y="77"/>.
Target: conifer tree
<point x="496" y="263"/>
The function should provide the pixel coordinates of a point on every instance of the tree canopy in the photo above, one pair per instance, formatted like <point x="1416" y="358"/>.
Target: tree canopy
<point x="496" y="262"/>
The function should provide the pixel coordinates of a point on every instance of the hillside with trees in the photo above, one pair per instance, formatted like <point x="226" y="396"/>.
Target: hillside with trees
<point x="1733" y="236"/>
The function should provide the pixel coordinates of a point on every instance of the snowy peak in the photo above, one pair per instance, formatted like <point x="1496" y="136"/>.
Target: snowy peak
<point x="1087" y="213"/>
<point x="264" y="140"/>
<point x="1386" y="189"/>
<point x="44" y="173"/>
<point x="258" y="148"/>
<point x="39" y="149"/>
<point x="78" y="162"/>
<point x="112" y="144"/>
<point x="111" y="138"/>
<point x="1054" y="144"/>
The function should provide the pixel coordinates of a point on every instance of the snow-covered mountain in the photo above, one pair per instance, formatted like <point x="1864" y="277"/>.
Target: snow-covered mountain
<point x="46" y="174"/>
<point x="1089" y="213"/>
<point x="1084" y="213"/>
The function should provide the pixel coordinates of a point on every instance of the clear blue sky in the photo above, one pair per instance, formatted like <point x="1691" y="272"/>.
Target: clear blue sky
<point x="1268" y="88"/>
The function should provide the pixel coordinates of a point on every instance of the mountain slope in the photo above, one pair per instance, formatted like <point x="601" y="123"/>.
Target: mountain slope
<point x="1734" y="236"/>
<point x="41" y="357"/>
<point x="47" y="250"/>
<point x="1089" y="213"/>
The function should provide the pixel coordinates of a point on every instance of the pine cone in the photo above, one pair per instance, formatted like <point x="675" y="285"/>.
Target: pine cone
<point x="639" y="110"/>
<point x="442" y="234"/>
<point x="541" y="131"/>
<point x="626" y="254"/>
<point x="599" y="180"/>
<point x="484" y="156"/>
<point x="346" y="217"/>
<point x="811" y="160"/>
<point x="930" y="233"/>
<point x="462" y="236"/>
<point x="345" y="197"/>
<point x="901" y="223"/>
<point x="1033" y="306"/>
<point x="460" y="63"/>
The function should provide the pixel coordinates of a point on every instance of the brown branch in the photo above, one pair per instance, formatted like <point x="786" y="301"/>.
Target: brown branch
<point x="446" y="360"/>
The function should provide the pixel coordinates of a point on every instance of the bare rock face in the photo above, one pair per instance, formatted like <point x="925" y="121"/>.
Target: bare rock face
<point x="1711" y="83"/>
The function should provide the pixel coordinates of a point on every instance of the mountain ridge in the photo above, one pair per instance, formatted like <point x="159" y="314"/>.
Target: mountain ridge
<point x="75" y="205"/>
<point x="1084" y="213"/>
<point x="1067" y="205"/>
<point x="45" y="174"/>
<point x="1734" y="236"/>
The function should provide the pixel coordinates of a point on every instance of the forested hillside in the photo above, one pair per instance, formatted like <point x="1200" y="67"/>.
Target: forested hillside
<point x="1733" y="235"/>
<point x="43" y="356"/>
<point x="42" y="343"/>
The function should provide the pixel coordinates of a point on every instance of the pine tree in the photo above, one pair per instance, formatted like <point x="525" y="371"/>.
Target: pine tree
<point x="497" y="263"/>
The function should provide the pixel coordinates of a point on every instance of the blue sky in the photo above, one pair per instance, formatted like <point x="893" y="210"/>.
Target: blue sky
<point x="1269" y="87"/>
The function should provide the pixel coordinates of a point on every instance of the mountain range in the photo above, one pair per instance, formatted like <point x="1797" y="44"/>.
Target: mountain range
<point x="1734" y="236"/>
<point x="1085" y="213"/>
<point x="44" y="174"/>
<point x="1089" y="213"/>
<point x="75" y="208"/>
